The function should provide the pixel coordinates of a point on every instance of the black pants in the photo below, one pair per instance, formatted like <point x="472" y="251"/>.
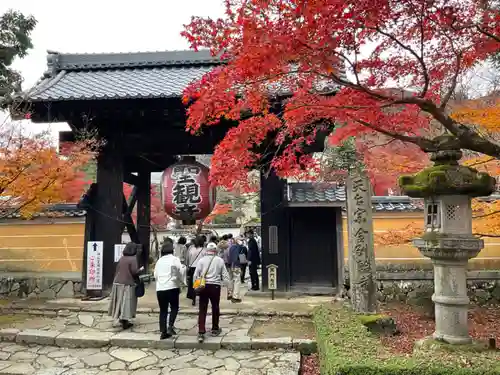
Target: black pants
<point x="211" y="294"/>
<point x="254" y="277"/>
<point x="243" y="268"/>
<point x="190" y="292"/>
<point x="168" y="298"/>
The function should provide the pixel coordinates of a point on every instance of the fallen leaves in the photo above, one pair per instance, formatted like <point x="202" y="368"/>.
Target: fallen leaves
<point x="484" y="323"/>
<point x="310" y="365"/>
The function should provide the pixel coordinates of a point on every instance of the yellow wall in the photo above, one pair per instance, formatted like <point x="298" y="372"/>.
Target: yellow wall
<point x="488" y="258"/>
<point x="29" y="246"/>
<point x="58" y="246"/>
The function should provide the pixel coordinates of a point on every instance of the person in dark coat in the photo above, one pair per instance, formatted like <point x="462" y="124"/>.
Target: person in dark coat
<point x="243" y="262"/>
<point x="123" y="301"/>
<point x="254" y="260"/>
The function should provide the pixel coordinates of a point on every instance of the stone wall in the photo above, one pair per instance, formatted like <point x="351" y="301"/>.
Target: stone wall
<point x="43" y="286"/>
<point x="417" y="286"/>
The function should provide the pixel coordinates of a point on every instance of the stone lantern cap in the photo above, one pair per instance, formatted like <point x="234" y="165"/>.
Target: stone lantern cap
<point x="446" y="176"/>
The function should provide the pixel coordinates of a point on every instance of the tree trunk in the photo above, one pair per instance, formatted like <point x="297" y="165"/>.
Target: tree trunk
<point x="362" y="269"/>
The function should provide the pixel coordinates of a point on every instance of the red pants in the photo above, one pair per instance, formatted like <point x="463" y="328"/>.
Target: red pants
<point x="210" y="293"/>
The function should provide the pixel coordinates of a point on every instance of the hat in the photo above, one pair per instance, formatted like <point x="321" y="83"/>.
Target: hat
<point x="211" y="246"/>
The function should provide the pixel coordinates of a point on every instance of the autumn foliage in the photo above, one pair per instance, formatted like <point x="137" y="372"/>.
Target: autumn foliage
<point x="331" y="62"/>
<point x="34" y="174"/>
<point x="219" y="209"/>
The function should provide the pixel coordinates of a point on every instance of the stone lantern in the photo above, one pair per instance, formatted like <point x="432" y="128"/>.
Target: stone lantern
<point x="447" y="189"/>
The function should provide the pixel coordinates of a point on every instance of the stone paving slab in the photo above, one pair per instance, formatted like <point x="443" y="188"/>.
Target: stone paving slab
<point x="50" y="360"/>
<point x="37" y="336"/>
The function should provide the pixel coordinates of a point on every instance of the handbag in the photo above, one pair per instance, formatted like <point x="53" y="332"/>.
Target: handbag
<point x="140" y="288"/>
<point x="242" y="257"/>
<point x="199" y="283"/>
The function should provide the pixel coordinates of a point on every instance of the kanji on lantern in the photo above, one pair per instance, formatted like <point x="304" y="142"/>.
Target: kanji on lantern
<point x="186" y="191"/>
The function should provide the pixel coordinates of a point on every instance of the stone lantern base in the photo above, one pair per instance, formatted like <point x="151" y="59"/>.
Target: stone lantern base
<point x="449" y="255"/>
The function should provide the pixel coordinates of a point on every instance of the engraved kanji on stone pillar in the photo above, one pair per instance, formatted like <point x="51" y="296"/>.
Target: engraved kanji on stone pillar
<point x="363" y="285"/>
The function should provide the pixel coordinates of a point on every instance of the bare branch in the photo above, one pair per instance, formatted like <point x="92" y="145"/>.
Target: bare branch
<point x="454" y="82"/>
<point x="419" y="59"/>
<point x="425" y="144"/>
<point x="488" y="34"/>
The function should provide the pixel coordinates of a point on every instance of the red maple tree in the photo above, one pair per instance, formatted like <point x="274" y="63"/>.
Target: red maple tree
<point x="331" y="64"/>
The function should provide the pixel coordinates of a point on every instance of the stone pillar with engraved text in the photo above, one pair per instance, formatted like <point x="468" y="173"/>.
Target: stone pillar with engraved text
<point x="363" y="288"/>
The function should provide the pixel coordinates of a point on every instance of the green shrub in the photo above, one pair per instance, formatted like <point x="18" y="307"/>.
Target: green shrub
<point x="347" y="348"/>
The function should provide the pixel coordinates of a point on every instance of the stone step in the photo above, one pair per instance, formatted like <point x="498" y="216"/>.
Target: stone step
<point x="95" y="339"/>
<point x="62" y="310"/>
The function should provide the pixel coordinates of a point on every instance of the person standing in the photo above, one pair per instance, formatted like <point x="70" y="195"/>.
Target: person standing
<point x="235" y="270"/>
<point x="230" y="239"/>
<point x="222" y="247"/>
<point x="243" y="257"/>
<point x="181" y="249"/>
<point x="212" y="268"/>
<point x="123" y="301"/>
<point x="254" y="260"/>
<point x="195" y="253"/>
<point x="168" y="275"/>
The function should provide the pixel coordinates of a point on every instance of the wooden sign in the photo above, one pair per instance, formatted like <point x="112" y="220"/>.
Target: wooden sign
<point x="94" y="265"/>
<point x="272" y="277"/>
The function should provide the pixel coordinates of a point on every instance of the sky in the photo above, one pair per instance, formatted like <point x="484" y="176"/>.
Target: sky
<point x="98" y="26"/>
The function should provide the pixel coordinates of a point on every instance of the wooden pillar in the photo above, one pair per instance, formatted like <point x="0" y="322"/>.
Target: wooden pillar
<point x="108" y="203"/>
<point x="275" y="228"/>
<point x="144" y="214"/>
<point x="86" y="203"/>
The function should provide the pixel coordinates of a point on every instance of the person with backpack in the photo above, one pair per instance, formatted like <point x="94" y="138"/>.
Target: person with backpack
<point x="194" y="255"/>
<point x="209" y="276"/>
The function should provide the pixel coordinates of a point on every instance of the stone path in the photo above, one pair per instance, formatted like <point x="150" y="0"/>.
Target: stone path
<point x="67" y="321"/>
<point x="93" y="330"/>
<point x="48" y="360"/>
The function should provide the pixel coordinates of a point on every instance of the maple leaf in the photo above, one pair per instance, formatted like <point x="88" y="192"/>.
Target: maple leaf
<point x="219" y="209"/>
<point x="331" y="64"/>
<point x="34" y="174"/>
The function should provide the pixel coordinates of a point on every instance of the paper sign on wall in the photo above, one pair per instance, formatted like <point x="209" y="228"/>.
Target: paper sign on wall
<point x="119" y="251"/>
<point x="94" y="265"/>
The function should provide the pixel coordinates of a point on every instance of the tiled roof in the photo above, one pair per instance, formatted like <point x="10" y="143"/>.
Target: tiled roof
<point x="301" y="193"/>
<point x="142" y="75"/>
<point x="304" y="193"/>
<point x="54" y="211"/>
<point x="120" y="76"/>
